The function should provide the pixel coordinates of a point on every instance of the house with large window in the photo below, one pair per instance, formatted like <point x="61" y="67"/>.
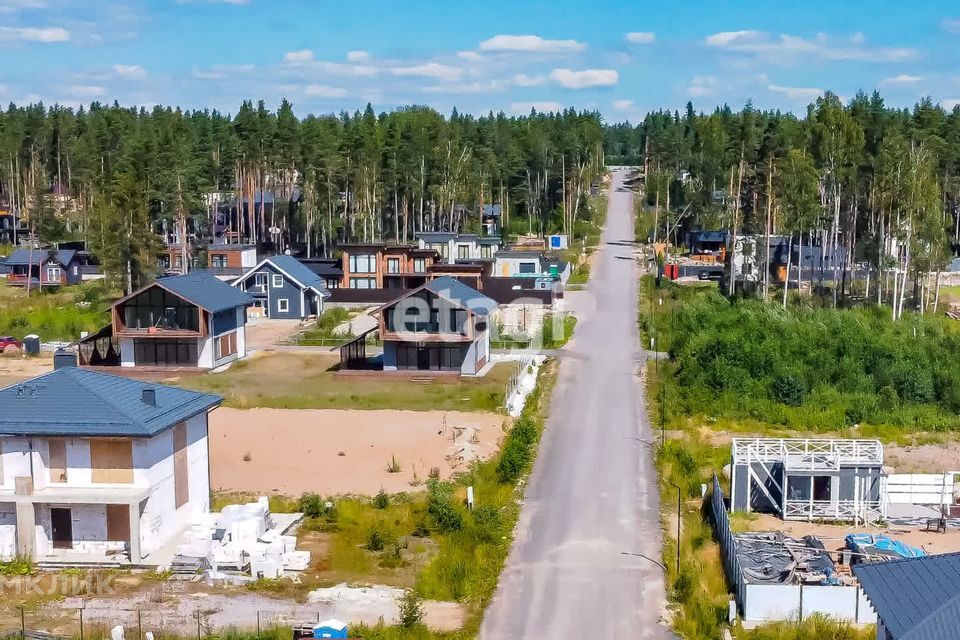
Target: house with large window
<point x="193" y="320"/>
<point x="525" y="263"/>
<point x="44" y="267"/>
<point x="224" y="260"/>
<point x="442" y="325"/>
<point x="100" y="468"/>
<point x="385" y="266"/>
<point x="455" y="248"/>
<point x="282" y="287"/>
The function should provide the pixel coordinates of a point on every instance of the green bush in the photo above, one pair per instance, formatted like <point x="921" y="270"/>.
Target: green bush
<point x="440" y="505"/>
<point x="381" y="500"/>
<point x="378" y="538"/>
<point x="311" y="505"/>
<point x="788" y="390"/>
<point x="489" y="525"/>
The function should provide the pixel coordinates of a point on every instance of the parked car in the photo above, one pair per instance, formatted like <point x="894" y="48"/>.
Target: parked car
<point x="9" y="341"/>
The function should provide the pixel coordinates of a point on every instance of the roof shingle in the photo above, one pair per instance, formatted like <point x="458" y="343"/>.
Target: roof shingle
<point x="204" y="290"/>
<point x="77" y="402"/>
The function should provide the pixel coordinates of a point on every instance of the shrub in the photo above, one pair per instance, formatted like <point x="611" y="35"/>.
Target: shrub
<point x="311" y="505"/>
<point x="393" y="466"/>
<point x="488" y="523"/>
<point x="411" y="611"/>
<point x="440" y="505"/>
<point x="787" y="390"/>
<point x="378" y="538"/>
<point x="381" y="500"/>
<point x="513" y="460"/>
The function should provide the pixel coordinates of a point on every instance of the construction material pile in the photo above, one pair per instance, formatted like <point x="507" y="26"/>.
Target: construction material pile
<point x="880" y="548"/>
<point x="243" y="538"/>
<point x="773" y="558"/>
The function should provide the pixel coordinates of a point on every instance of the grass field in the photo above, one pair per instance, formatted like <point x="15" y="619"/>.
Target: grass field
<point x="53" y="315"/>
<point x="307" y="381"/>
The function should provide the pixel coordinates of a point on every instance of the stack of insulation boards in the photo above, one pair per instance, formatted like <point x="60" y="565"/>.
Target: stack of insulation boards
<point x="244" y="538"/>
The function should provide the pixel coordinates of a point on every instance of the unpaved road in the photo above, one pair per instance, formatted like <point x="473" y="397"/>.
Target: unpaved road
<point x="592" y="496"/>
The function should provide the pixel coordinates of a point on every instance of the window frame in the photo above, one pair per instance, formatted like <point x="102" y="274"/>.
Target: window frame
<point x="277" y="278"/>
<point x="283" y="305"/>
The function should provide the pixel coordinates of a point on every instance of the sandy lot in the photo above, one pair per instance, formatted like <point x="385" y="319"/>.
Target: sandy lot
<point x="15" y="368"/>
<point x="337" y="452"/>
<point x="925" y="458"/>
<point x="263" y="333"/>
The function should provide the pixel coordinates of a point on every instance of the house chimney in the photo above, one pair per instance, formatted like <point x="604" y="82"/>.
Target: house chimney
<point x="63" y="358"/>
<point x="149" y="396"/>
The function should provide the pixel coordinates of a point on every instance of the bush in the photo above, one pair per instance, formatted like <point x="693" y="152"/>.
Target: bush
<point x="787" y="390"/>
<point x="488" y="523"/>
<point x="378" y="538"/>
<point x="381" y="500"/>
<point x="311" y="505"/>
<point x="411" y="611"/>
<point x="440" y="505"/>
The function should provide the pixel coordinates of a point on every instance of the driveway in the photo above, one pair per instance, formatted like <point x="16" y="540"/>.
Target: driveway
<point x="263" y="333"/>
<point x="592" y="496"/>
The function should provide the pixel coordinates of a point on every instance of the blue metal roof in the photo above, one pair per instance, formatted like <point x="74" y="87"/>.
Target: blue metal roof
<point x="77" y="402"/>
<point x="302" y="275"/>
<point x="462" y="295"/>
<point x="21" y="257"/>
<point x="204" y="290"/>
<point x="917" y="598"/>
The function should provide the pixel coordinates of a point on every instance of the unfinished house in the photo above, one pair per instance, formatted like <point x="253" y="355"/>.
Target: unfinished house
<point x="95" y="468"/>
<point x="808" y="479"/>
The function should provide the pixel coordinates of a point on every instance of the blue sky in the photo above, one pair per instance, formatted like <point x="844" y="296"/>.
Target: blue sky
<point x="621" y="57"/>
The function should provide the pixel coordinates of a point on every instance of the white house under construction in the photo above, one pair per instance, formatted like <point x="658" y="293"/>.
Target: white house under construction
<point x="808" y="479"/>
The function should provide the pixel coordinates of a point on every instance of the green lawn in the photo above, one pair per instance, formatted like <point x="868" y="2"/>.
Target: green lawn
<point x="306" y="381"/>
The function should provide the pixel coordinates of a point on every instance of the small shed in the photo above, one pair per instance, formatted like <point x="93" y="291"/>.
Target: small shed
<point x="331" y="628"/>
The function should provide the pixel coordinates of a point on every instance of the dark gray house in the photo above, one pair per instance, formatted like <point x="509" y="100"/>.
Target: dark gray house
<point x="441" y="326"/>
<point x="808" y="479"/>
<point x="915" y="598"/>
<point x="44" y="267"/>
<point x="283" y="288"/>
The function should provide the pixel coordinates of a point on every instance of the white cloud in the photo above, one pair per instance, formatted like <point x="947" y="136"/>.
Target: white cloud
<point x="298" y="57"/>
<point x="797" y="93"/>
<point x="531" y="44"/>
<point x="950" y="104"/>
<point x="436" y="70"/>
<point x="701" y="86"/>
<point x="472" y="56"/>
<point x="324" y="91"/>
<point x="900" y="80"/>
<point x="87" y="90"/>
<point x="641" y="37"/>
<point x="358" y="56"/>
<point x="541" y="106"/>
<point x="951" y="24"/>
<point x="16" y="6"/>
<point x="129" y="71"/>
<point x="570" y="79"/>
<point x="34" y="34"/>
<point x="788" y="48"/>
<point x="523" y="80"/>
<point x="466" y="88"/>
<point x="623" y="105"/>
<point x="222" y="71"/>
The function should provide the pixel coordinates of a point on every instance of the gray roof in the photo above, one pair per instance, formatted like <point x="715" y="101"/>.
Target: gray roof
<point x="77" y="402"/>
<point x="21" y="257"/>
<point x="204" y="290"/>
<point x="301" y="274"/>
<point x="917" y="598"/>
<point x="461" y="295"/>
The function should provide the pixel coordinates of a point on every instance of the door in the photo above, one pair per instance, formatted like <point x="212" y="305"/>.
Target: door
<point x="423" y="358"/>
<point x="61" y="523"/>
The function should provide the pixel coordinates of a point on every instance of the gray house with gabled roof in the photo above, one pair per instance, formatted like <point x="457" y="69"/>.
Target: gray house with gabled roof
<point x="193" y="321"/>
<point x="440" y="326"/>
<point x="915" y="598"/>
<point x="99" y="468"/>
<point x="44" y="267"/>
<point x="283" y="287"/>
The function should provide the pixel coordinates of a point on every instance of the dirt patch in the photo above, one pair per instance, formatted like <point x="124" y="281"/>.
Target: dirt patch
<point x="14" y="367"/>
<point x="264" y="333"/>
<point x="925" y="458"/>
<point x="833" y="535"/>
<point x="341" y="452"/>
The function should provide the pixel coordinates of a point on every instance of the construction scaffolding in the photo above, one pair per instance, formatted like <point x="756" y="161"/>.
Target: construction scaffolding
<point x="809" y="479"/>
